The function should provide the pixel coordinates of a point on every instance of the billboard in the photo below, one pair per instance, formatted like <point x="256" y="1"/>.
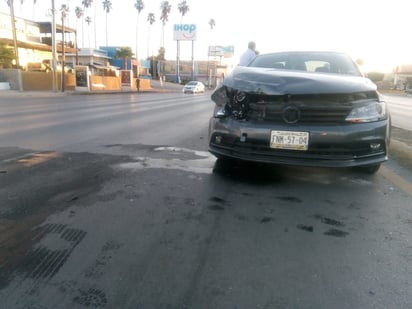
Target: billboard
<point x="82" y="76"/>
<point x="145" y="64"/>
<point x="126" y="77"/>
<point x="184" y="32"/>
<point x="221" y="51"/>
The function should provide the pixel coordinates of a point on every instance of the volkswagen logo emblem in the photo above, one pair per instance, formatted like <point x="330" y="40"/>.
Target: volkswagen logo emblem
<point x="291" y="114"/>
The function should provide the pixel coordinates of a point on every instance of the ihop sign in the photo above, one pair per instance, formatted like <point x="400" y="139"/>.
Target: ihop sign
<point x="184" y="32"/>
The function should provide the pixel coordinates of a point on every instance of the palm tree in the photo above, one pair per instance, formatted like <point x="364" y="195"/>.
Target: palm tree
<point x="124" y="53"/>
<point x="68" y="7"/>
<point x="151" y="19"/>
<point x="87" y="4"/>
<point x="95" y="25"/>
<point x="21" y="7"/>
<point x="79" y="14"/>
<point x="34" y="4"/>
<point x="88" y="20"/>
<point x="165" y="9"/>
<point x="212" y="23"/>
<point x="107" y="6"/>
<point x="139" y="5"/>
<point x="64" y="10"/>
<point x="183" y="8"/>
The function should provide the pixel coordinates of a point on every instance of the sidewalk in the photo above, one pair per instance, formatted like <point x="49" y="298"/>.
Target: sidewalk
<point x="156" y="86"/>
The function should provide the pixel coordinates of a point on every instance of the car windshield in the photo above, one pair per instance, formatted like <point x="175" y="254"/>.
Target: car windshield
<point x="192" y="83"/>
<point x="325" y="62"/>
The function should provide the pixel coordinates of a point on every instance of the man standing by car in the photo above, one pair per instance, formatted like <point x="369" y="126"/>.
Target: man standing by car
<point x="248" y="55"/>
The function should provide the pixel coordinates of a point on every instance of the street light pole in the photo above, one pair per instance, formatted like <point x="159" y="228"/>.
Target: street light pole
<point x="178" y="62"/>
<point x="63" y="54"/>
<point x="54" y="53"/>
<point x="13" y="27"/>
<point x="64" y="11"/>
<point x="193" y="60"/>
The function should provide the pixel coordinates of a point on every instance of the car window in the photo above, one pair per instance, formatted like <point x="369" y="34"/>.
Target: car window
<point x="320" y="62"/>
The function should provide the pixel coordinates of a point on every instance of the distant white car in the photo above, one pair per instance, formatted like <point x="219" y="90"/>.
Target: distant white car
<point x="193" y="87"/>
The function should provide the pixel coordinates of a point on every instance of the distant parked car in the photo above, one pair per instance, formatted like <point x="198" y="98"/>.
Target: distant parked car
<point x="193" y="87"/>
<point x="301" y="108"/>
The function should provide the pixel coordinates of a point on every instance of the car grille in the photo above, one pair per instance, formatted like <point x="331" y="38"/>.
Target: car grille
<point x="318" y="108"/>
<point x="312" y="109"/>
<point x="309" y="113"/>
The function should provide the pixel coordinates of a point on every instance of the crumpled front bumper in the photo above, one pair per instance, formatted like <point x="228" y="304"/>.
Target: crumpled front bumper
<point x="344" y="145"/>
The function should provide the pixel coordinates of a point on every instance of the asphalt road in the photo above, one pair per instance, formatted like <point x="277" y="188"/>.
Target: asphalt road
<point x="401" y="110"/>
<point x="113" y="202"/>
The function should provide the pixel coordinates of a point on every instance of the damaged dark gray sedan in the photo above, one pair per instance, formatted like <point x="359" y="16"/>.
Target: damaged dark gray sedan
<point x="300" y="108"/>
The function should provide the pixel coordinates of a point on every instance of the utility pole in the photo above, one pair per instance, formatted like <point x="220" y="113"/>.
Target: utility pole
<point x="54" y="53"/>
<point x="64" y="11"/>
<point x="178" y="62"/>
<point x="13" y="27"/>
<point x="193" y="60"/>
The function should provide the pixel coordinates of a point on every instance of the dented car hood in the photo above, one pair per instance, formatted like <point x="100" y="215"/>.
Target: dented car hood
<point x="282" y="82"/>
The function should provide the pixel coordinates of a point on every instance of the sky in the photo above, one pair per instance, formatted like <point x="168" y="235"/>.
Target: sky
<point x="377" y="31"/>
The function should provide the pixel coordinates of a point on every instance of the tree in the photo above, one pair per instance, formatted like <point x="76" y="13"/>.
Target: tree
<point x="376" y="76"/>
<point x="6" y="56"/>
<point x="64" y="10"/>
<point x="165" y="9"/>
<point x="139" y="6"/>
<point x="87" y="3"/>
<point x="183" y="8"/>
<point x="124" y="53"/>
<point x="107" y="6"/>
<point x="212" y="23"/>
<point x="79" y="14"/>
<point x="88" y="20"/>
<point x="151" y="19"/>
<point x="161" y="54"/>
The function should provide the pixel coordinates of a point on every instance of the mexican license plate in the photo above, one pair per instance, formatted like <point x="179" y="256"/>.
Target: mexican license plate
<point x="289" y="140"/>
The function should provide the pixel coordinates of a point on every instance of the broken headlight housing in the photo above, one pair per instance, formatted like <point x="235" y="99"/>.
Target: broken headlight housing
<point x="368" y="112"/>
<point x="232" y="102"/>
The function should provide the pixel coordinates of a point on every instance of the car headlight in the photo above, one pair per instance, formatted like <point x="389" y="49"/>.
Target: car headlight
<point x="367" y="112"/>
<point x="221" y="96"/>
